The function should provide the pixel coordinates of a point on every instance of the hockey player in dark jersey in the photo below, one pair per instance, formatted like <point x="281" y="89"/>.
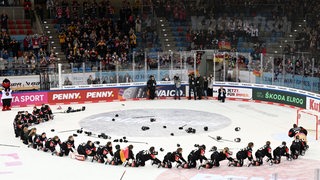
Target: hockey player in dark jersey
<point x="39" y="141"/>
<point x="31" y="135"/>
<point x="129" y="156"/>
<point x="18" y="124"/>
<point x="67" y="146"/>
<point x="146" y="155"/>
<point x="242" y="155"/>
<point x="261" y="153"/>
<point x="217" y="156"/>
<point x="37" y="114"/>
<point x="280" y="151"/>
<point x="103" y="152"/>
<point x="25" y="135"/>
<point x="196" y="155"/>
<point x="297" y="147"/>
<point x="46" y="113"/>
<point x="29" y="118"/>
<point x="87" y="149"/>
<point x="116" y="160"/>
<point x="51" y="145"/>
<point x="171" y="157"/>
<point x="295" y="130"/>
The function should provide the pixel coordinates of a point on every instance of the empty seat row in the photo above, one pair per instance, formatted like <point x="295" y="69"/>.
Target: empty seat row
<point x="19" y="21"/>
<point x="20" y="31"/>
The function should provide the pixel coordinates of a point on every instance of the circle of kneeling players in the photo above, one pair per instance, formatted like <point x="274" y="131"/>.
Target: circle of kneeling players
<point x="107" y="155"/>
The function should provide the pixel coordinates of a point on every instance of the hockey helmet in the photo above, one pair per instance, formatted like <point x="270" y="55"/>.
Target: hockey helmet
<point x="202" y="147"/>
<point x="151" y="149"/>
<point x="250" y="144"/>
<point x="268" y="143"/>
<point x="284" y="143"/>
<point x="117" y="147"/>
<point x="214" y="148"/>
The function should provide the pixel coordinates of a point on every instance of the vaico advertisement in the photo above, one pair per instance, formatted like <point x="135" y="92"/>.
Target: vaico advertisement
<point x="82" y="95"/>
<point x="234" y="92"/>
<point x="141" y="91"/>
<point x="29" y="98"/>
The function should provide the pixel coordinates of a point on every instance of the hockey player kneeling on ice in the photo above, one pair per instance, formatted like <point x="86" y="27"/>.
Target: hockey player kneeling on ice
<point x="31" y="134"/>
<point x="46" y="112"/>
<point x="87" y="149"/>
<point x="24" y="135"/>
<point x="280" y="151"/>
<point x="51" y="145"/>
<point x="18" y="124"/>
<point x="127" y="156"/>
<point x="103" y="152"/>
<point x="29" y="118"/>
<point x="217" y="156"/>
<point x="37" y="114"/>
<point x="171" y="157"/>
<point x="39" y="140"/>
<point x="146" y="155"/>
<point x="116" y="156"/>
<point x="242" y="155"/>
<point x="296" y="130"/>
<point x="261" y="153"/>
<point x="67" y="147"/>
<point x="297" y="147"/>
<point x="197" y="154"/>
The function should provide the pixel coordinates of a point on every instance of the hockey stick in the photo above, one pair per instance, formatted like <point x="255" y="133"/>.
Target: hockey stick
<point x="142" y="117"/>
<point x="227" y="140"/>
<point x="59" y="112"/>
<point x="9" y="145"/>
<point x="137" y="142"/>
<point x="214" y="138"/>
<point x="100" y="136"/>
<point x="68" y="130"/>
<point x="181" y="127"/>
<point x="123" y="174"/>
<point x="218" y="138"/>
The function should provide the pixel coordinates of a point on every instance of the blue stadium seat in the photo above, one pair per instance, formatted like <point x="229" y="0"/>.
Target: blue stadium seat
<point x="75" y="70"/>
<point x="88" y="69"/>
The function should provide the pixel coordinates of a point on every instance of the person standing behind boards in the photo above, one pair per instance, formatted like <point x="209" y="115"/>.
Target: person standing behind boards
<point x="177" y="85"/>
<point x="151" y="85"/>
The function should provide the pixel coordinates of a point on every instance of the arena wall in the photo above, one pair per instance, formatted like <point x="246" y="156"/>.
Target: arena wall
<point x="96" y="93"/>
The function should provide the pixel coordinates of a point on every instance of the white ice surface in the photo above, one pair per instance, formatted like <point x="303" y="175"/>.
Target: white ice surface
<point x="258" y="122"/>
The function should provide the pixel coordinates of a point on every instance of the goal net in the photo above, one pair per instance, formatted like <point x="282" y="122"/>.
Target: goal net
<point x="309" y="120"/>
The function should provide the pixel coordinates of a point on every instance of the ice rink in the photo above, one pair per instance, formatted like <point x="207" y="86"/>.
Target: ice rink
<point x="258" y="122"/>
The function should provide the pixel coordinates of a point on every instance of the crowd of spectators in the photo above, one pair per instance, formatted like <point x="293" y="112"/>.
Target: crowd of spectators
<point x="101" y="37"/>
<point x="308" y="38"/>
<point x="29" y="56"/>
<point x="26" y="56"/>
